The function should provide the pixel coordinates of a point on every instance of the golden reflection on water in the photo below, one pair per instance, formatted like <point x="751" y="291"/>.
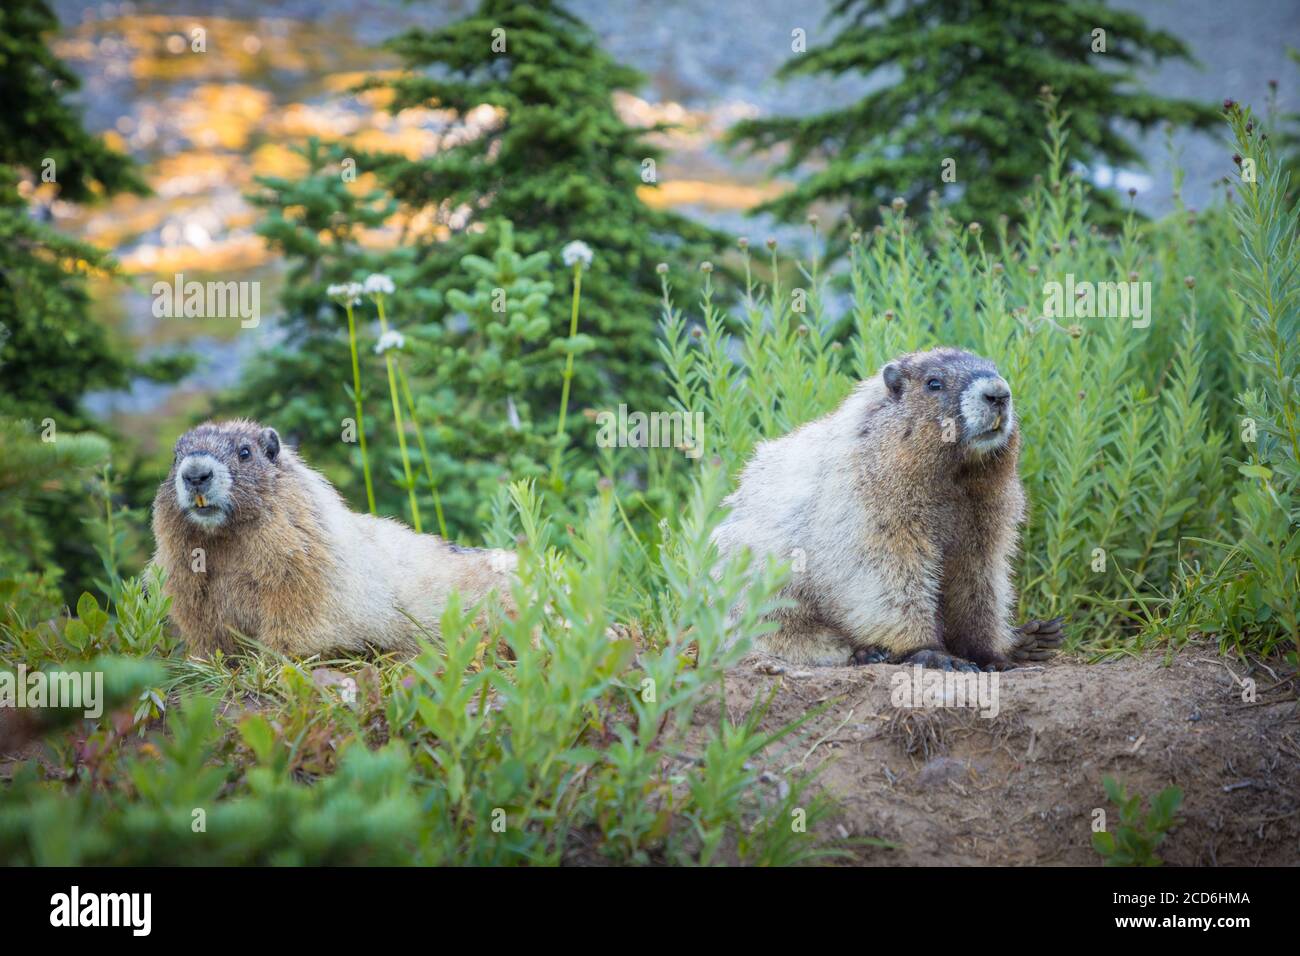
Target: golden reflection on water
<point x="212" y="103"/>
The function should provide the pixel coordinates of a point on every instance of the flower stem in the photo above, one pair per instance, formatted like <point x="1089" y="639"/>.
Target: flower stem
<point x="356" y="395"/>
<point x="424" y="452"/>
<point x="568" y="373"/>
<point x="397" y="419"/>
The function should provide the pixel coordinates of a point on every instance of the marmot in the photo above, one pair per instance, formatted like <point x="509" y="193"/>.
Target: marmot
<point x="256" y="543"/>
<point x="899" y="512"/>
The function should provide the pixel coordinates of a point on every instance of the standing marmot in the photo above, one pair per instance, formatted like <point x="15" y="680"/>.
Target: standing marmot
<point x="899" y="512"/>
<point x="256" y="543"/>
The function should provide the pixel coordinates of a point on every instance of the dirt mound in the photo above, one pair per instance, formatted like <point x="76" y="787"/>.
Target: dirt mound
<point x="949" y="786"/>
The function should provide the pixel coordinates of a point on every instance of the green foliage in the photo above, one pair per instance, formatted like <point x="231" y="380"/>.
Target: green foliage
<point x="575" y="735"/>
<point x="1135" y="841"/>
<point x="40" y="482"/>
<point x="168" y="807"/>
<point x="1268" y="283"/>
<point x="303" y="386"/>
<point x="961" y="81"/>
<point x="1244" y="588"/>
<point x="125" y="681"/>
<point x="31" y="638"/>
<point x="525" y="741"/>
<point x="491" y="365"/>
<point x="548" y="152"/>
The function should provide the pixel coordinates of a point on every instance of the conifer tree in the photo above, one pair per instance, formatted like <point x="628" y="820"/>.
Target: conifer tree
<point x="51" y="350"/>
<point x="557" y="161"/>
<point x="960" y="116"/>
<point x="303" y="384"/>
<point x="488" y="378"/>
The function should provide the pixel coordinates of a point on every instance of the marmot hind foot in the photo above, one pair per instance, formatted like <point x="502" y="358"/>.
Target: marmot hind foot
<point x="1037" y="641"/>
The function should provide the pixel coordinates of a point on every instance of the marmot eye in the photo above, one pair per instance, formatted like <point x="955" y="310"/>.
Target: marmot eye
<point x="244" y="453"/>
<point x="935" y="385"/>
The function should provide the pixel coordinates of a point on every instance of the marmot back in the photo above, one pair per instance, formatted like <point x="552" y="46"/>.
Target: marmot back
<point x="899" y="512"/>
<point x="256" y="543"/>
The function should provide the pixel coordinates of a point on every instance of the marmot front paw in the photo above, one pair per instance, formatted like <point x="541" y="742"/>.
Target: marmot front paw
<point x="928" y="657"/>
<point x="1037" y="640"/>
<point x="869" y="655"/>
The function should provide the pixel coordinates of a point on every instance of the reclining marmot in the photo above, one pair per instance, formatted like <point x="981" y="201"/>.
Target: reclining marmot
<point x="255" y="543"/>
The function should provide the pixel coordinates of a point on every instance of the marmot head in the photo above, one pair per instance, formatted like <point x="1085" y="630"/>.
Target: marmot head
<point x="961" y="393"/>
<point x="222" y="475"/>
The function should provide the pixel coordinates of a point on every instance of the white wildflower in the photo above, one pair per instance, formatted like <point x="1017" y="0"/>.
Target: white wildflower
<point x="576" y="251"/>
<point x="392" y="339"/>
<point x="378" y="284"/>
<point x="346" y="293"/>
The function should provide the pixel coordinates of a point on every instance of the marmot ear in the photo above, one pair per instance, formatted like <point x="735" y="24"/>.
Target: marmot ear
<point x="271" y="442"/>
<point x="893" y="376"/>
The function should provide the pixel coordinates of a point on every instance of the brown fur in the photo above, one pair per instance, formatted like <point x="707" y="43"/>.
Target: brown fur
<point x="937" y="505"/>
<point x="293" y="569"/>
<point x="907" y="516"/>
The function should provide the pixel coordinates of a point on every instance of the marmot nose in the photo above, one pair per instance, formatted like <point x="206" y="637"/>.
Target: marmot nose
<point x="197" y="477"/>
<point x="997" y="394"/>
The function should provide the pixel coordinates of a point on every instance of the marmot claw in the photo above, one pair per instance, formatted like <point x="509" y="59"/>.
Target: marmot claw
<point x="1038" y="640"/>
<point x="869" y="655"/>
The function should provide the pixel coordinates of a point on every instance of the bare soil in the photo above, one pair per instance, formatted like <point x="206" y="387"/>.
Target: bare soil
<point x="945" y="785"/>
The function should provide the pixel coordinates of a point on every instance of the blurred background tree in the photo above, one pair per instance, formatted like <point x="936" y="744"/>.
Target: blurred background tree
<point x="956" y="112"/>
<point x="304" y="384"/>
<point x="540" y="157"/>
<point x="551" y="154"/>
<point x="52" y="350"/>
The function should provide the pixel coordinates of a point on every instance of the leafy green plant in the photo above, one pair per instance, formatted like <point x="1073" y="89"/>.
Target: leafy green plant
<point x="1135" y="841"/>
<point x="483" y="374"/>
<point x="138" y="628"/>
<point x="1244" y="588"/>
<point x="1269" y="285"/>
<point x="172" y="803"/>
